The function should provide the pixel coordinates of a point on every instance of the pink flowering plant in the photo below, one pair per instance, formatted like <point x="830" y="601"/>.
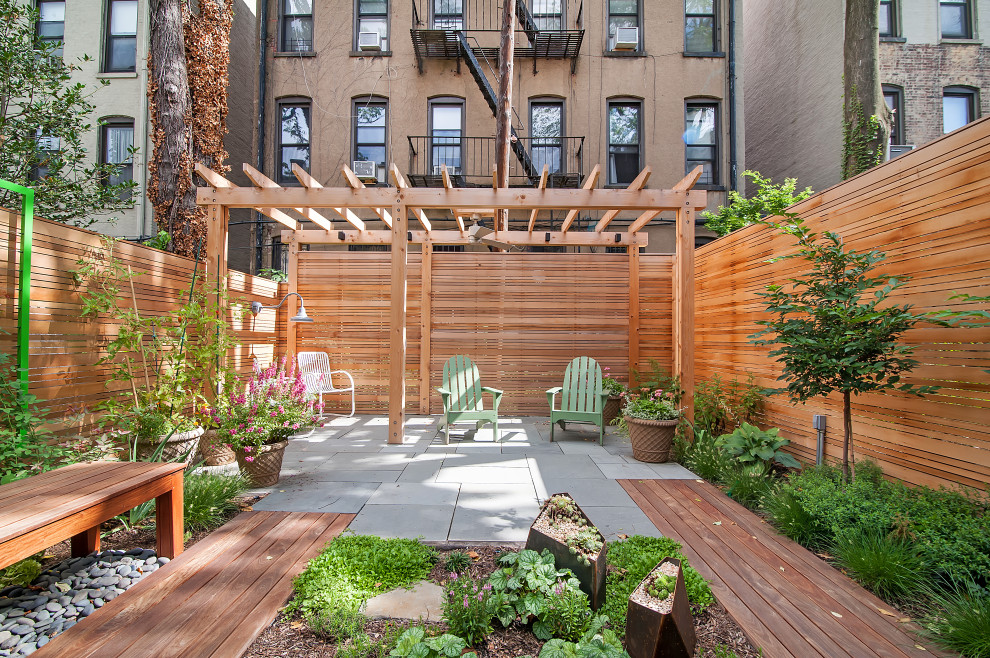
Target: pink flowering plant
<point x="651" y="404"/>
<point x="612" y="386"/>
<point x="467" y="608"/>
<point x="272" y="407"/>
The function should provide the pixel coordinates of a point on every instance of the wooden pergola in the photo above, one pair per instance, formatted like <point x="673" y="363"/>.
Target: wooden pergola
<point x="395" y="205"/>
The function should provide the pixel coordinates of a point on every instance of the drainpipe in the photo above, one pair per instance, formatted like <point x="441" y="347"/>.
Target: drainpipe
<point x="732" y="95"/>
<point x="24" y="288"/>
<point x="262" y="75"/>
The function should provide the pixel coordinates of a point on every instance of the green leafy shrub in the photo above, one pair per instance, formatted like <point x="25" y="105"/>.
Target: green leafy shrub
<point x="721" y="407"/>
<point x="631" y="560"/>
<point x="959" y="620"/>
<point x="523" y="583"/>
<point x="566" y="615"/>
<point x="413" y="643"/>
<point x="750" y="488"/>
<point x="597" y="642"/>
<point x="353" y="568"/>
<point x="208" y="498"/>
<point x="755" y="448"/>
<point x="468" y="608"/>
<point x="706" y="458"/>
<point x="345" y="630"/>
<point x="793" y="521"/>
<point x="20" y="573"/>
<point x="889" y="567"/>
<point x="457" y="562"/>
<point x="770" y="200"/>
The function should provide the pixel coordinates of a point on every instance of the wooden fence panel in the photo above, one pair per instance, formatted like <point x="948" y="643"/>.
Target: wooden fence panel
<point x="65" y="348"/>
<point x="929" y="212"/>
<point x="656" y="303"/>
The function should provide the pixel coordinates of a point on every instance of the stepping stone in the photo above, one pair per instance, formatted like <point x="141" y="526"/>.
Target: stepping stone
<point x="424" y="601"/>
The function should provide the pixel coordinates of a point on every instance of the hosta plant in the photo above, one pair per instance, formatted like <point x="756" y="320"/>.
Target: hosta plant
<point x="758" y="449"/>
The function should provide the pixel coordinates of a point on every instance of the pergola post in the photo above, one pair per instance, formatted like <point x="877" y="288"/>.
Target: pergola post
<point x="425" y="325"/>
<point x="633" y="311"/>
<point x="397" y="352"/>
<point x="217" y="219"/>
<point x="293" y="301"/>
<point x="684" y="307"/>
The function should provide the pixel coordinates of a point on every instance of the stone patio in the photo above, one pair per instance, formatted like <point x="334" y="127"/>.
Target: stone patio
<point x="473" y="490"/>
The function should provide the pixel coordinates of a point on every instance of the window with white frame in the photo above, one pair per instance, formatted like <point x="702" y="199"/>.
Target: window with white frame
<point x="116" y="143"/>
<point x="446" y="131"/>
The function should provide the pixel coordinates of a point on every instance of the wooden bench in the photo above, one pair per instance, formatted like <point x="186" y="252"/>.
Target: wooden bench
<point x="72" y="502"/>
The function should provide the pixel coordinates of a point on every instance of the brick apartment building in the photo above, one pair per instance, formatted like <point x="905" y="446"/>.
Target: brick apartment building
<point x="621" y="83"/>
<point x="933" y="66"/>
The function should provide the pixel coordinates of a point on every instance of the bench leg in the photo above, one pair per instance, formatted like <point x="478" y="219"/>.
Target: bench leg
<point x="85" y="542"/>
<point x="168" y="519"/>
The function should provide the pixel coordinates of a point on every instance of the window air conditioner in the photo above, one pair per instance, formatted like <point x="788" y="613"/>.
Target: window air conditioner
<point x="366" y="170"/>
<point x="369" y="41"/>
<point x="626" y="38"/>
<point x="899" y="150"/>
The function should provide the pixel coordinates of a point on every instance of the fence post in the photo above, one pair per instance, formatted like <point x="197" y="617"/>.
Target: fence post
<point x="684" y="307"/>
<point x="24" y="287"/>
<point x="633" y="250"/>
<point x="425" y="325"/>
<point x="397" y="333"/>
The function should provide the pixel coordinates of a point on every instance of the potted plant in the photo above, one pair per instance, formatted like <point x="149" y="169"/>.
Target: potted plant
<point x="576" y="544"/>
<point x="615" y="389"/>
<point x="651" y="418"/>
<point x="658" y="618"/>
<point x="257" y="422"/>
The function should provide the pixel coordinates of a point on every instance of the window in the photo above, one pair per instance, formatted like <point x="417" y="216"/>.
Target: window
<point x="121" y="46"/>
<point x="548" y="14"/>
<point x="51" y="23"/>
<point x="955" y="18"/>
<point x="546" y="121"/>
<point x="888" y="18"/>
<point x="622" y="13"/>
<point x="700" y="27"/>
<point x="623" y="141"/>
<point x="297" y="26"/>
<point x="446" y="130"/>
<point x="448" y="14"/>
<point x="294" y="139"/>
<point x="701" y="141"/>
<point x="370" y="137"/>
<point x="116" y="141"/>
<point x="894" y="97"/>
<point x="48" y="147"/>
<point x="958" y="107"/>
<point x="372" y="16"/>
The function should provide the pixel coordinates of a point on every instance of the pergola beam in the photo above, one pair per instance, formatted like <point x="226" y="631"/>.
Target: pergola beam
<point x="356" y="184"/>
<point x="542" y="185"/>
<point x="637" y="184"/>
<point x="589" y="184"/>
<point x="219" y="182"/>
<point x="683" y="185"/>
<point x="311" y="183"/>
<point x="517" y="238"/>
<point x="449" y="185"/>
<point x="400" y="182"/>
<point x="262" y="181"/>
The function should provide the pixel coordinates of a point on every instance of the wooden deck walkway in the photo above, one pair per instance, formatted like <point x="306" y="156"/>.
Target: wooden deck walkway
<point x="214" y="599"/>
<point x="785" y="599"/>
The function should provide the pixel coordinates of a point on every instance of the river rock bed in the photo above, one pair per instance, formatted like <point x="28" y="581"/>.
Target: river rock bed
<point x="65" y="593"/>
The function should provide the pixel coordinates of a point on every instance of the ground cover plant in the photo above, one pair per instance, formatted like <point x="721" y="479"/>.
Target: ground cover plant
<point x="208" y="499"/>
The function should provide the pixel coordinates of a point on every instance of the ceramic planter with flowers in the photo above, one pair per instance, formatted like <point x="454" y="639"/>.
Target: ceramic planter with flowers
<point x="615" y="389"/>
<point x="257" y="422"/>
<point x="652" y="418"/>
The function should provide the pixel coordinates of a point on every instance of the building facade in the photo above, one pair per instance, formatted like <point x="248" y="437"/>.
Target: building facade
<point x="623" y="84"/>
<point x="934" y="68"/>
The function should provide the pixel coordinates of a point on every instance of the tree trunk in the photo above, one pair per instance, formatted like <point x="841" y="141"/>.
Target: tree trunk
<point x="867" y="120"/>
<point x="848" y="465"/>
<point x="503" y="117"/>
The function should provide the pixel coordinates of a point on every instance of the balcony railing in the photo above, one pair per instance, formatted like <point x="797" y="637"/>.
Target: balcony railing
<point x="470" y="160"/>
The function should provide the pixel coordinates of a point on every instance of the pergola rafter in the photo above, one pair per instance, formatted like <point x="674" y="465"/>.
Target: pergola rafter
<point x="394" y="205"/>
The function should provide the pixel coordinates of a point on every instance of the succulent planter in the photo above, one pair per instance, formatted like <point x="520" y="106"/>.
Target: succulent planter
<point x="651" y="439"/>
<point x="592" y="577"/>
<point x="265" y="465"/>
<point x="651" y="633"/>
<point x="613" y="406"/>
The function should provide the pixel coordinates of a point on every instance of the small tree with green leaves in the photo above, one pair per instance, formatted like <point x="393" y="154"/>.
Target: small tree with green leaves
<point x="834" y="328"/>
<point x="770" y="200"/>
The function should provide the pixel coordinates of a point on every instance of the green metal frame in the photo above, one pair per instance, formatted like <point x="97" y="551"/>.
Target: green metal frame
<point x="24" y="281"/>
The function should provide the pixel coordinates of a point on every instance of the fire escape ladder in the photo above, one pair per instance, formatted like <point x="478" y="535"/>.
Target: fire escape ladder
<point x="527" y="21"/>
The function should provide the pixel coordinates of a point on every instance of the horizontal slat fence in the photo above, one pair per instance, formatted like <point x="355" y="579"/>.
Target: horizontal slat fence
<point x="929" y="211"/>
<point x="520" y="316"/>
<point x="65" y="348"/>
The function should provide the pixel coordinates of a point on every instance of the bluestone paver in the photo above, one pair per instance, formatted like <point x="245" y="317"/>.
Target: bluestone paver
<point x="431" y="522"/>
<point x="615" y="521"/>
<point x="415" y="493"/>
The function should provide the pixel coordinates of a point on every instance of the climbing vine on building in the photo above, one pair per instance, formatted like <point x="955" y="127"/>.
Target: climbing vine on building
<point x="861" y="147"/>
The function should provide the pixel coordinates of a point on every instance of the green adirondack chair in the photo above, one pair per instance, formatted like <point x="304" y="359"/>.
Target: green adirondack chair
<point x="461" y="394"/>
<point x="582" y="399"/>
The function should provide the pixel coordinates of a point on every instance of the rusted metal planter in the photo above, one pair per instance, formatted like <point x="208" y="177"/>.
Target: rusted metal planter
<point x="592" y="577"/>
<point x="651" y="634"/>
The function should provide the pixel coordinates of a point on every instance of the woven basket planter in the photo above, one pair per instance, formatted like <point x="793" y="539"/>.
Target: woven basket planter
<point x="613" y="406"/>
<point x="652" y="634"/>
<point x="177" y="445"/>
<point x="651" y="439"/>
<point x="215" y="452"/>
<point x="263" y="470"/>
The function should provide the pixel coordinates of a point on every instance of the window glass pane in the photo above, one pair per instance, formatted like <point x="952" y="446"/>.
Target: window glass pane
<point x="371" y="135"/>
<point x="297" y="7"/>
<point x="700" y="125"/>
<point x="448" y="7"/>
<point x="379" y="25"/>
<point x="298" y="34"/>
<point x="699" y="34"/>
<point x="372" y="153"/>
<point x="373" y="7"/>
<point x="51" y="30"/>
<point x="547" y="6"/>
<point x="546" y="120"/>
<point x="547" y="155"/>
<point x="52" y="11"/>
<point x="886" y="20"/>
<point x="446" y="118"/>
<point x="548" y="22"/>
<point x="293" y="155"/>
<point x="371" y="115"/>
<point x="123" y="17"/>
<point x="118" y="140"/>
<point x="955" y="112"/>
<point x="623" y="164"/>
<point x="621" y="21"/>
<point x="295" y="124"/>
<point x="622" y="7"/>
<point x="699" y="6"/>
<point x="707" y="171"/>
<point x="953" y="18"/>
<point x="623" y="124"/>
<point x="122" y="54"/>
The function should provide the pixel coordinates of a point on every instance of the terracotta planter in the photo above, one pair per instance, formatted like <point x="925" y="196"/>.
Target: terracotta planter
<point x="214" y="451"/>
<point x="650" y="633"/>
<point x="177" y="445"/>
<point x="651" y="439"/>
<point x="592" y="577"/>
<point x="265" y="465"/>
<point x="613" y="406"/>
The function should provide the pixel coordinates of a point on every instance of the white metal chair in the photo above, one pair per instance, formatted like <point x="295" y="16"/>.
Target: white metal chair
<point x="319" y="378"/>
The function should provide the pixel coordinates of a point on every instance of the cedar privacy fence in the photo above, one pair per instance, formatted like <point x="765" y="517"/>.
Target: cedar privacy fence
<point x="523" y="316"/>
